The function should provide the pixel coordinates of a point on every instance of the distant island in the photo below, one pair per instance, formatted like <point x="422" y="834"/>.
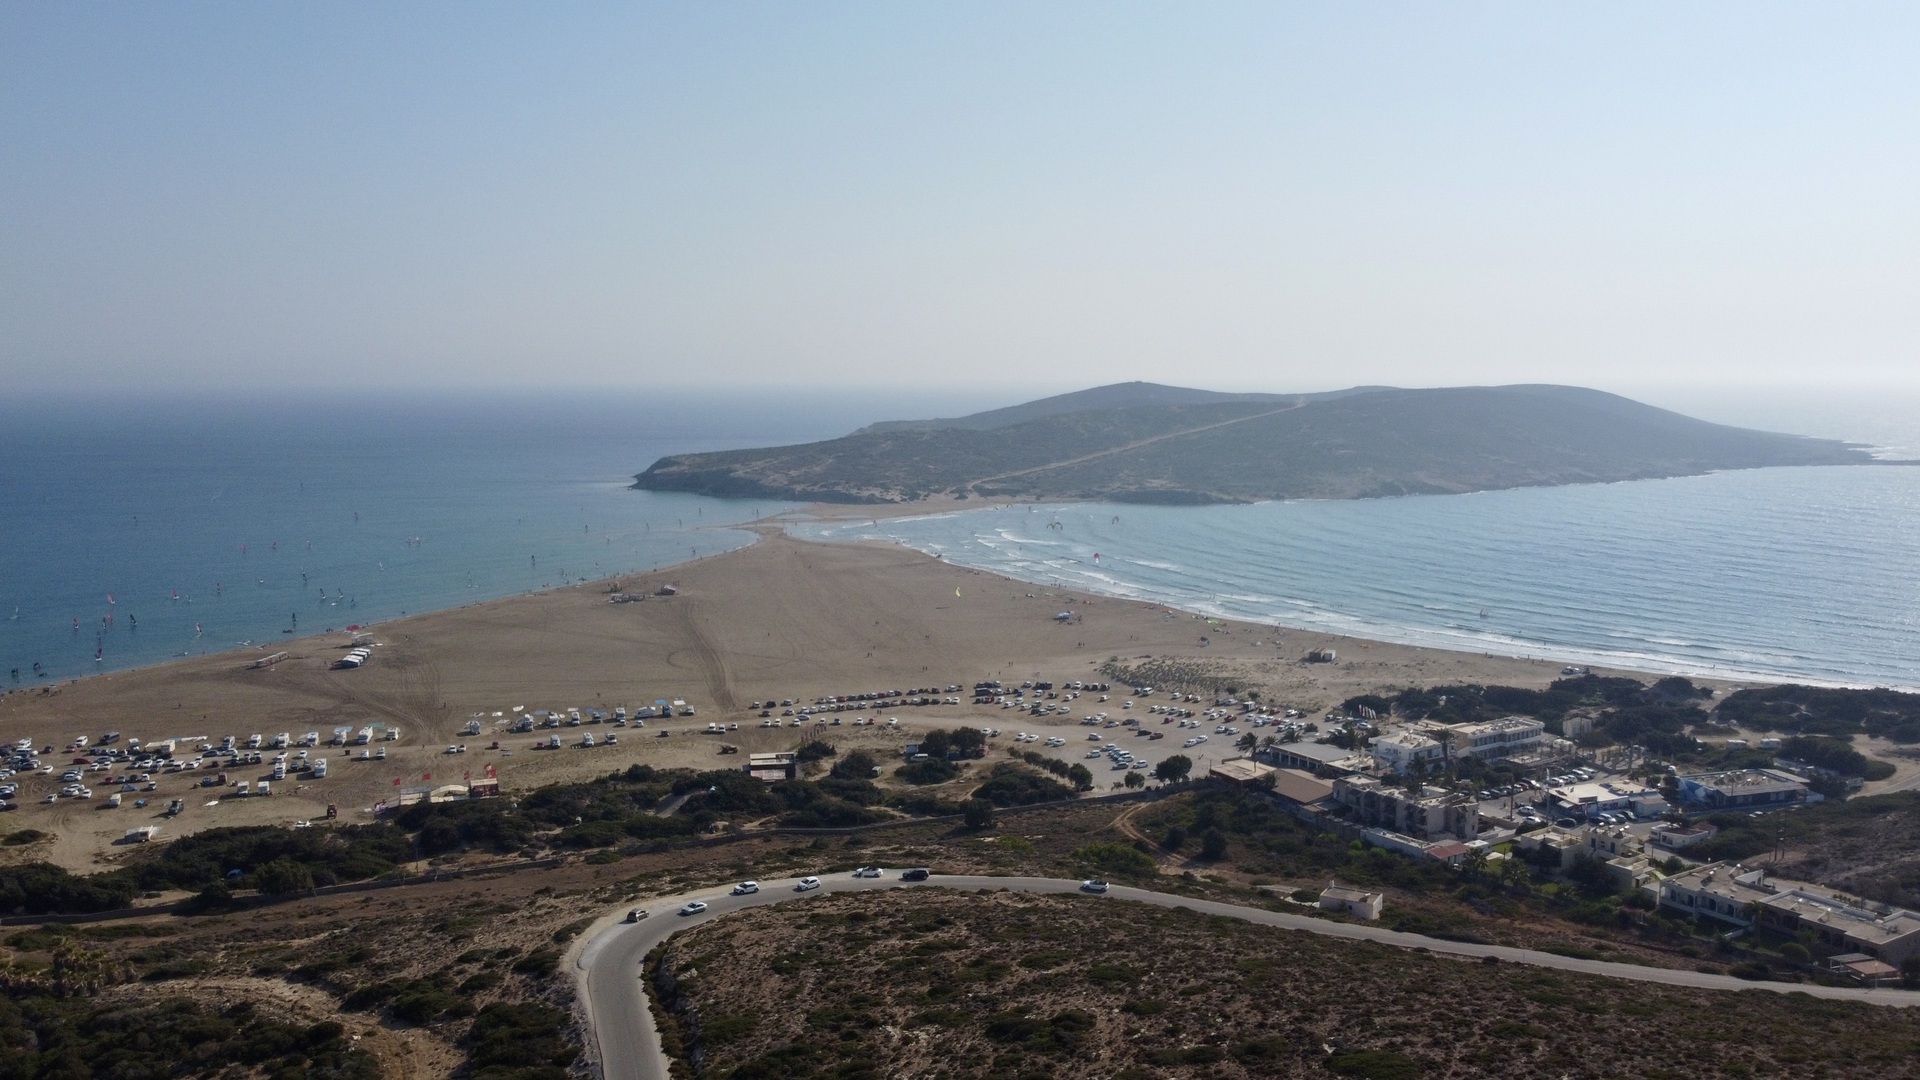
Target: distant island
<point x="1146" y="443"/>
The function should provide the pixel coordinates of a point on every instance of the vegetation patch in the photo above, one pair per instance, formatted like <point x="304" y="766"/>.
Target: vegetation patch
<point x="1060" y="986"/>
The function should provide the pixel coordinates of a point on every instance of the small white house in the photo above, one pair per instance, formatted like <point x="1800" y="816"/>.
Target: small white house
<point x="1355" y="902"/>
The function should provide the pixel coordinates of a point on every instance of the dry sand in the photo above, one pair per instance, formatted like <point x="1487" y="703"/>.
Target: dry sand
<point x="783" y="618"/>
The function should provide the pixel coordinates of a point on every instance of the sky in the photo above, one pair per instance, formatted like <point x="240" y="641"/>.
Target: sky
<point x="1266" y="196"/>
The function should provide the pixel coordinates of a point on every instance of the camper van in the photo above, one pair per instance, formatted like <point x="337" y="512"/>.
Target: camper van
<point x="586" y="741"/>
<point x="553" y="742"/>
<point x="472" y="728"/>
<point x="320" y="768"/>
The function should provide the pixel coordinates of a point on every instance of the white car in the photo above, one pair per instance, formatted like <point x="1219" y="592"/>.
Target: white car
<point x="694" y="907"/>
<point x="807" y="883"/>
<point x="1094" y="885"/>
<point x="746" y="887"/>
<point x="867" y="871"/>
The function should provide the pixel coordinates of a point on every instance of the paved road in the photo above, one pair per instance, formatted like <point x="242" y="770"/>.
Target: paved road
<point x="629" y="1044"/>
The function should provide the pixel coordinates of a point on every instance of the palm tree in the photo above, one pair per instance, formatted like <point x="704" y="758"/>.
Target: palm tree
<point x="1475" y="864"/>
<point x="77" y="970"/>
<point x="1246" y="743"/>
<point x="1513" y="871"/>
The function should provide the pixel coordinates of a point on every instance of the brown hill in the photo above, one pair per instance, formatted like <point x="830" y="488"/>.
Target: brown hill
<point x="1145" y="443"/>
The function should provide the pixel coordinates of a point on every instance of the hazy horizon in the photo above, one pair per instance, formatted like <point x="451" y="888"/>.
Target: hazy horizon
<point x="1234" y="197"/>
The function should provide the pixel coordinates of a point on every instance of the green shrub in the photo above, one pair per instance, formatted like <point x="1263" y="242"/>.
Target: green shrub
<point x="1010" y="785"/>
<point x="1213" y="845"/>
<point x="930" y="771"/>
<point x="1116" y="859"/>
<point x="1374" y="1065"/>
<point x="538" y="962"/>
<point x="524" y="1040"/>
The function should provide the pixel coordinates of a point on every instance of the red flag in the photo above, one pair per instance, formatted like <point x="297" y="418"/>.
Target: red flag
<point x="467" y="776"/>
<point x="396" y="781"/>
<point x="426" y="776"/>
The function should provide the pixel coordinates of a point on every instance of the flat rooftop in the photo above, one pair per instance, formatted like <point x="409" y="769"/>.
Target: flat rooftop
<point x="1326" y="753"/>
<point x="1300" y="787"/>
<point x="1745" y="781"/>
<point x="1240" y="770"/>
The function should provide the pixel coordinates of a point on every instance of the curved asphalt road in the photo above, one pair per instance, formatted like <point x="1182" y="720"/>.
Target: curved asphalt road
<point x="608" y="964"/>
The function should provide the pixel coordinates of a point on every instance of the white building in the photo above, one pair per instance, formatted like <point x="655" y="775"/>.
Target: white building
<point x="1494" y="740"/>
<point x="1734" y="894"/>
<point x="1407" y="749"/>
<point x="1355" y="902"/>
<point x="1591" y="800"/>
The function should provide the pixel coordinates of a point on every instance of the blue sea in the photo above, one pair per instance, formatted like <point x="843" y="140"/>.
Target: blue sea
<point x="214" y="523"/>
<point x="1810" y="574"/>
<point x="227" y="521"/>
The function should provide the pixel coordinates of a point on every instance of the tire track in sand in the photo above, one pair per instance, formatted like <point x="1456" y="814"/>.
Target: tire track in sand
<point x="712" y="665"/>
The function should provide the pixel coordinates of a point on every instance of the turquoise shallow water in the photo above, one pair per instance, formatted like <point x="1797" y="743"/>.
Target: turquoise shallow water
<point x="1809" y="574"/>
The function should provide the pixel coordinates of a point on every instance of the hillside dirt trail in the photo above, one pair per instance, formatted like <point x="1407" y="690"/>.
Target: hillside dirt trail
<point x="1111" y="451"/>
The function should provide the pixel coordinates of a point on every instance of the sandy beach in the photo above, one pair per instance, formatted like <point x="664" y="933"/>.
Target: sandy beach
<point x="783" y="618"/>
